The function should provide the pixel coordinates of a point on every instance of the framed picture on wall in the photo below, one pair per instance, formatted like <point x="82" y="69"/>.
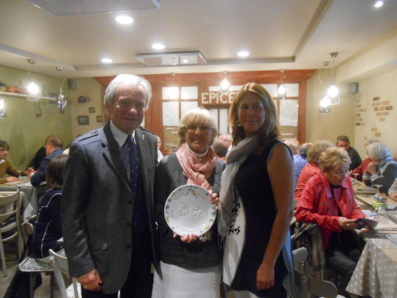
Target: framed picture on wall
<point x="83" y="120"/>
<point x="98" y="118"/>
<point x="91" y="110"/>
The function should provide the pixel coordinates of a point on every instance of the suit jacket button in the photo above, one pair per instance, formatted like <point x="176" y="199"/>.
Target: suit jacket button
<point x="130" y="202"/>
<point x="129" y="224"/>
<point x="128" y="245"/>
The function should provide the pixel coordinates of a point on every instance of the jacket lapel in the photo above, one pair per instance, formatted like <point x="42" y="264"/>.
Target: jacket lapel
<point x="111" y="154"/>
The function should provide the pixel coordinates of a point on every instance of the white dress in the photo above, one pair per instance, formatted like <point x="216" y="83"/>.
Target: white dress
<point x="178" y="282"/>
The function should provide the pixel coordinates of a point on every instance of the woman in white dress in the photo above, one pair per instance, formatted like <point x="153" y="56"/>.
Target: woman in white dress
<point x="190" y="265"/>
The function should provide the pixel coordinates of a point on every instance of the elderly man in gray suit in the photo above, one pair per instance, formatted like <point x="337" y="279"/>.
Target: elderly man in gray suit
<point x="107" y="202"/>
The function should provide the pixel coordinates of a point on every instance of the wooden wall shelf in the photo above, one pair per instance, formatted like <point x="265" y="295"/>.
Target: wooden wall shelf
<point x="25" y="95"/>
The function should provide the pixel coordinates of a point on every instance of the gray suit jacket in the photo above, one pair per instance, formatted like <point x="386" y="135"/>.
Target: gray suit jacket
<point x="97" y="205"/>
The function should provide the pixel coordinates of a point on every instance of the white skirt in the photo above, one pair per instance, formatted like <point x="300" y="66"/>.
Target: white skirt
<point x="178" y="282"/>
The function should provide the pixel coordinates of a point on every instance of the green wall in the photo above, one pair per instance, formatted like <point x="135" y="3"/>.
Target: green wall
<point x="21" y="128"/>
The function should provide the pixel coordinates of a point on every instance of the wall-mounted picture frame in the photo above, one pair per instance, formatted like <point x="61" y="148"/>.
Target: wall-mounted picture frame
<point x="83" y="120"/>
<point x="98" y="118"/>
<point x="91" y="110"/>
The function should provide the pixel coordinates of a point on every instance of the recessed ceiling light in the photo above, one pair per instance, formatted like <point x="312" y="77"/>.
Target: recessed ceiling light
<point x="185" y="61"/>
<point x="378" y="4"/>
<point x="124" y="20"/>
<point x="158" y="46"/>
<point x="106" y="60"/>
<point x="243" y="54"/>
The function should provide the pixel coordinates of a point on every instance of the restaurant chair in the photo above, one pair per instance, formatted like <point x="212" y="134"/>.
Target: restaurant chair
<point x="300" y="255"/>
<point x="31" y="265"/>
<point x="10" y="230"/>
<point x="60" y="264"/>
<point x="306" y="285"/>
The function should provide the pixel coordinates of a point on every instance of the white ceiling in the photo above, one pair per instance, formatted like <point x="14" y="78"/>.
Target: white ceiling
<point x="290" y="34"/>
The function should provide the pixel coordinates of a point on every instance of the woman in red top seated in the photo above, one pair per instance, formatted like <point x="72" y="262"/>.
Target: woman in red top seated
<point x="360" y="170"/>
<point x="312" y="168"/>
<point x="328" y="200"/>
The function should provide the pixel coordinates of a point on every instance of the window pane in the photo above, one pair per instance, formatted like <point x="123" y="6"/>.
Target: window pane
<point x="190" y="92"/>
<point x="288" y="112"/>
<point x="223" y="127"/>
<point x="292" y="90"/>
<point x="188" y="105"/>
<point x="170" y="93"/>
<point x="170" y="113"/>
<point x="271" y="88"/>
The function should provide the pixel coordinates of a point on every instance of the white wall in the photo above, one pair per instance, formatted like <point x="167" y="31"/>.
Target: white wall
<point x="340" y="120"/>
<point x="380" y="124"/>
<point x="375" y="71"/>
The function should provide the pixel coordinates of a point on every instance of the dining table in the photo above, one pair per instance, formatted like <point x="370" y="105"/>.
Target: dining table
<point x="376" y="271"/>
<point x="30" y="200"/>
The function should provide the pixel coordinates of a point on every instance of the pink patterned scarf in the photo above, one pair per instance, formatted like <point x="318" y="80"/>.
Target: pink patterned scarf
<point x="196" y="172"/>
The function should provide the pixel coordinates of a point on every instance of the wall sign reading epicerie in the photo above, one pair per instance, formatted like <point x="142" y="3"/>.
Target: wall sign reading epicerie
<point x="216" y="98"/>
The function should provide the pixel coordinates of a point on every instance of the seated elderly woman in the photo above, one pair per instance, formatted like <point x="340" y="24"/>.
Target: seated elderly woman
<point x="312" y="168"/>
<point x="392" y="193"/>
<point x="383" y="168"/>
<point x="328" y="200"/>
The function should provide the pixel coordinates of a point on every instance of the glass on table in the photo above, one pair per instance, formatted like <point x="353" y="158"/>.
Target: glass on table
<point x="380" y="206"/>
<point x="381" y="214"/>
<point x="355" y="181"/>
<point x="377" y="186"/>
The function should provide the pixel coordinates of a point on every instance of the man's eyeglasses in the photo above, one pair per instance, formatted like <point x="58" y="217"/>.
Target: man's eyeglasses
<point x="3" y="149"/>
<point x="200" y="127"/>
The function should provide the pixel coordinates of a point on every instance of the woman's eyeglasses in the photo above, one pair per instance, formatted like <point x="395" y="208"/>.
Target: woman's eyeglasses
<point x="340" y="173"/>
<point x="200" y="127"/>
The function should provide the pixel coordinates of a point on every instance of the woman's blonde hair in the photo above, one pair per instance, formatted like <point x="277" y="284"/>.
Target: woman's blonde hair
<point x="270" y="128"/>
<point x="333" y="157"/>
<point x="198" y="116"/>
<point x="313" y="155"/>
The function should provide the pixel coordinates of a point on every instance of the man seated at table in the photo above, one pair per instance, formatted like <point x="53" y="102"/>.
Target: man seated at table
<point x="300" y="160"/>
<point x="328" y="200"/>
<point x="6" y="167"/>
<point x="53" y="148"/>
<point x="40" y="155"/>
<point x="344" y="142"/>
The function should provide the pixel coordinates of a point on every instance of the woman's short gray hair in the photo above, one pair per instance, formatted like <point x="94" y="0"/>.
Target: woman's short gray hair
<point x="196" y="116"/>
<point x="129" y="80"/>
<point x="378" y="151"/>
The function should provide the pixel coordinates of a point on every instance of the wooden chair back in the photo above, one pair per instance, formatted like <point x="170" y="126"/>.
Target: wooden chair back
<point x="60" y="264"/>
<point x="10" y="227"/>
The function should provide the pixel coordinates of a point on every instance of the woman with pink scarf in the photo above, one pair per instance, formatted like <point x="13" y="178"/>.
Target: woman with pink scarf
<point x="189" y="264"/>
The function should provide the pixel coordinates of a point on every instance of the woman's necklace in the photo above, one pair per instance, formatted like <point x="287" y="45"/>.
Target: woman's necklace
<point x="200" y="156"/>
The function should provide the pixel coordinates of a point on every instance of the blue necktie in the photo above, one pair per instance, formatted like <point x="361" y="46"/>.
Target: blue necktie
<point x="140" y="216"/>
